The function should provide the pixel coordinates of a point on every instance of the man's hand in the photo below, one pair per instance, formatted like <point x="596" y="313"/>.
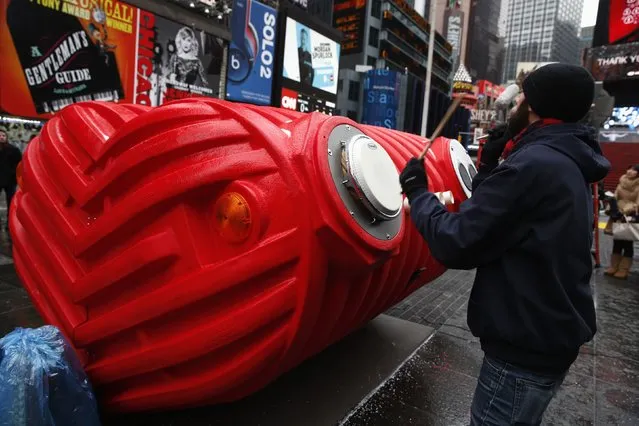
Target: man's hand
<point x="413" y="179"/>
<point x="494" y="147"/>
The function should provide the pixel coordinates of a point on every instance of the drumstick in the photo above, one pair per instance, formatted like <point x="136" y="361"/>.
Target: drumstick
<point x="451" y="109"/>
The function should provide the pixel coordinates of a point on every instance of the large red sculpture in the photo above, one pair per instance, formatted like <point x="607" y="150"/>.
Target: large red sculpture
<point x="195" y="251"/>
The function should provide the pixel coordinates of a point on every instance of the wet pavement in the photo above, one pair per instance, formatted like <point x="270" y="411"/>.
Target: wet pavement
<point x="435" y="385"/>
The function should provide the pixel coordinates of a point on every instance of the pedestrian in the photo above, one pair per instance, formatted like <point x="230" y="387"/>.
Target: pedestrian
<point x="625" y="204"/>
<point x="10" y="157"/>
<point x="528" y="230"/>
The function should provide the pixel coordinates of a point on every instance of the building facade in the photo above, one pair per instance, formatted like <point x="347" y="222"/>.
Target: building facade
<point x="541" y="31"/>
<point x="393" y="36"/>
<point x="321" y="9"/>
<point x="585" y="38"/>
<point x="484" y="48"/>
<point x="480" y="41"/>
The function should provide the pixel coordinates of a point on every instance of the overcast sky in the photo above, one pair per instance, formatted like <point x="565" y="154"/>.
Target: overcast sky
<point x="590" y="13"/>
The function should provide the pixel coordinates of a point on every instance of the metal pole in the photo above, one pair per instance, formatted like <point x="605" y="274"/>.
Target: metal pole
<point x="431" y="46"/>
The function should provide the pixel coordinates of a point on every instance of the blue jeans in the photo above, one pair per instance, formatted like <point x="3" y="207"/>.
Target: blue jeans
<point x="509" y="395"/>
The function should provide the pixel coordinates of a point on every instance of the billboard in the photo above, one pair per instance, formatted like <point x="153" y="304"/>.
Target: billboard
<point x="65" y="51"/>
<point x="613" y="62"/>
<point x="58" y="53"/>
<point x="175" y="61"/>
<point x="297" y="101"/>
<point x="252" y="53"/>
<point x="488" y="88"/>
<point x="381" y="98"/>
<point x="623" y="22"/>
<point x="310" y="58"/>
<point x="349" y="17"/>
<point x="454" y="19"/>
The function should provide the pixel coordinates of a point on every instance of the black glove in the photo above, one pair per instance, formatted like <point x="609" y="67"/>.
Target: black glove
<point x="494" y="146"/>
<point x="413" y="178"/>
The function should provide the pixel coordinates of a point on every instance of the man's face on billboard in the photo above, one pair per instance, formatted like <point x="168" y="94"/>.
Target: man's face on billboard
<point x="303" y="38"/>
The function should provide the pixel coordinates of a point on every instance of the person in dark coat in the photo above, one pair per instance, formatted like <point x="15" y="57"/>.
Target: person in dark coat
<point x="305" y="59"/>
<point x="528" y="230"/>
<point x="10" y="157"/>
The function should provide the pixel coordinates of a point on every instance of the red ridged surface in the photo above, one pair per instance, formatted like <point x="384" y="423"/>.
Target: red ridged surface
<point x="114" y="239"/>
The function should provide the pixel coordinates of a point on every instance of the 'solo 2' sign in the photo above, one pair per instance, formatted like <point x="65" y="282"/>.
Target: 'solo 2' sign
<point x="381" y="98"/>
<point x="252" y="53"/>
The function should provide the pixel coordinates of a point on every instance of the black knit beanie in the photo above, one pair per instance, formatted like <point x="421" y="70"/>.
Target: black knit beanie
<point x="561" y="91"/>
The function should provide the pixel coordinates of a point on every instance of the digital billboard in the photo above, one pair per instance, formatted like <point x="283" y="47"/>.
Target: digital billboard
<point x="310" y="68"/>
<point x="297" y="101"/>
<point x="310" y="58"/>
<point x="252" y="53"/>
<point x="614" y="62"/>
<point x="61" y="52"/>
<point x="349" y="17"/>
<point x="175" y="61"/>
<point x="623" y="118"/>
<point x="381" y="98"/>
<point x="623" y="25"/>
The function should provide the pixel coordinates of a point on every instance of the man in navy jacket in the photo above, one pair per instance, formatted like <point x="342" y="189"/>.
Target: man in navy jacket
<point x="528" y="230"/>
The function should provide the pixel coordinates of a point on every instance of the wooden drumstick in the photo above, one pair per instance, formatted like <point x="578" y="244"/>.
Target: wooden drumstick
<point x="451" y="109"/>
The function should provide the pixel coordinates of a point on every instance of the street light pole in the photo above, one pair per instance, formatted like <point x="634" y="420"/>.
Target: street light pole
<point x="431" y="46"/>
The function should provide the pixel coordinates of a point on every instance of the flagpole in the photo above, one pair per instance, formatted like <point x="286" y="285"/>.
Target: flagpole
<point x="429" y="70"/>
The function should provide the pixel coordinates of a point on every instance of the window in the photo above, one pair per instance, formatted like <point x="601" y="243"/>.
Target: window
<point x="376" y="10"/>
<point x="372" y="61"/>
<point x="353" y="91"/>
<point x="352" y="115"/>
<point x="373" y="37"/>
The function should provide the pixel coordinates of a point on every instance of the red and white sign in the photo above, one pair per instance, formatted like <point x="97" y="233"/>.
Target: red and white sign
<point x="489" y="89"/>
<point x="289" y="99"/>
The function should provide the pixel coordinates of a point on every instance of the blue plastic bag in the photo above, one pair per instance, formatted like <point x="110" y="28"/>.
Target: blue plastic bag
<point x="42" y="382"/>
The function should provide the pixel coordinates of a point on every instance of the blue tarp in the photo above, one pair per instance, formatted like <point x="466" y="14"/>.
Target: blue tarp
<point x="42" y="382"/>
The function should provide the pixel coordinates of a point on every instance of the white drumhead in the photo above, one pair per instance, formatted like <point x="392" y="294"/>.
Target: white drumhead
<point x="463" y="166"/>
<point x="376" y="176"/>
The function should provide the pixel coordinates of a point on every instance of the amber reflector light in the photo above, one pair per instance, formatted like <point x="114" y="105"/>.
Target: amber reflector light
<point x="233" y="217"/>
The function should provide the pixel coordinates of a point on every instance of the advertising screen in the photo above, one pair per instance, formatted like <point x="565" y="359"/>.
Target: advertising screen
<point x="614" y="62"/>
<point x="349" y="16"/>
<point x="623" y="23"/>
<point x="310" y="59"/>
<point x="183" y="62"/>
<point x="60" y="52"/>
<point x="252" y="53"/>
<point x="623" y="118"/>
<point x="301" y="102"/>
<point x="381" y="98"/>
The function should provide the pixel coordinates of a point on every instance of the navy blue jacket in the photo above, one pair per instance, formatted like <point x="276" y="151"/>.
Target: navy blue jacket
<point x="528" y="230"/>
